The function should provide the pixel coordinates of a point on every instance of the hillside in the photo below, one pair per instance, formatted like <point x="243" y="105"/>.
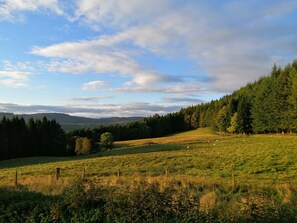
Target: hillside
<point x="269" y="105"/>
<point x="69" y="122"/>
<point x="195" y="175"/>
<point x="197" y="153"/>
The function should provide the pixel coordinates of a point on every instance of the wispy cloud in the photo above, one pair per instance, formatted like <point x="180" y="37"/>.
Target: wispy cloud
<point x="100" y="56"/>
<point x="99" y="110"/>
<point x="94" y="85"/>
<point x="18" y="75"/>
<point x="137" y="46"/>
<point x="15" y="75"/>
<point x="13" y="83"/>
<point x="14" y="79"/>
<point x="184" y="88"/>
<point x="11" y="10"/>
<point x="121" y="14"/>
<point x="231" y="50"/>
<point x="89" y="99"/>
<point x="182" y="100"/>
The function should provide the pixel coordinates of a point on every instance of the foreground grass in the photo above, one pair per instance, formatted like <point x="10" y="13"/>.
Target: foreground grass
<point x="195" y="176"/>
<point x="85" y="201"/>
<point x="192" y="155"/>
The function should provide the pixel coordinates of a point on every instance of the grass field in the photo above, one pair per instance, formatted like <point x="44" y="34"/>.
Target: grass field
<point x="197" y="156"/>
<point x="194" y="176"/>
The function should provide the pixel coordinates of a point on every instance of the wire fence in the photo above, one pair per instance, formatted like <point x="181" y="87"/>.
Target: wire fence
<point x="234" y="179"/>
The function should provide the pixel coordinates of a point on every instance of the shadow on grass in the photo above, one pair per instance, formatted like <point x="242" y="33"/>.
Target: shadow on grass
<point x="141" y="149"/>
<point x="13" y="163"/>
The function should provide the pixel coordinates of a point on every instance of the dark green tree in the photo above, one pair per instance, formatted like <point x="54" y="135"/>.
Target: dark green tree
<point x="244" y="119"/>
<point x="106" y="140"/>
<point x="283" y="91"/>
<point x="292" y="101"/>
<point x="264" y="110"/>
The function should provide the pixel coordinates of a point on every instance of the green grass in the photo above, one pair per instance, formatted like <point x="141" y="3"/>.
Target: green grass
<point x="210" y="178"/>
<point x="194" y="154"/>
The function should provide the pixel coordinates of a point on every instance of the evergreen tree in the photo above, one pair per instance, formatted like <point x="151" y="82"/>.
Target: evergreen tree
<point x="244" y="120"/>
<point x="283" y="90"/>
<point x="264" y="110"/>
<point x="221" y="119"/>
<point x="292" y="100"/>
<point x="233" y="124"/>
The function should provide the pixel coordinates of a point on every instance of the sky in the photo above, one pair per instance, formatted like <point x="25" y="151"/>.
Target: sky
<point x="104" y="58"/>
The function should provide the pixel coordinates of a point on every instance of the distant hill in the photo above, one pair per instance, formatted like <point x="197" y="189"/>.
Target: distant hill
<point x="69" y="122"/>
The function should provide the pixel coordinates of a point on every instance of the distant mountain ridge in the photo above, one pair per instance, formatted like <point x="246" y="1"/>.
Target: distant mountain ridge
<point x="69" y="122"/>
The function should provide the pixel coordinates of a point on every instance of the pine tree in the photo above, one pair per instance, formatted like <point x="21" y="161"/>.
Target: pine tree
<point x="233" y="124"/>
<point x="283" y="90"/>
<point x="244" y="120"/>
<point x="221" y="119"/>
<point x="292" y="101"/>
<point x="264" y="109"/>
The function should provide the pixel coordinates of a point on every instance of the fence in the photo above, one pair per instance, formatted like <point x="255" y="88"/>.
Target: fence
<point x="58" y="174"/>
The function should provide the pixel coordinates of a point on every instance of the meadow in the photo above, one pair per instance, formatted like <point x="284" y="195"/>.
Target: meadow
<point x="197" y="154"/>
<point x="255" y="174"/>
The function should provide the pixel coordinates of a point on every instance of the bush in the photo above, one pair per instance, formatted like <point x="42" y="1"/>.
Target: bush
<point x="82" y="146"/>
<point x="83" y="201"/>
<point x="106" y="140"/>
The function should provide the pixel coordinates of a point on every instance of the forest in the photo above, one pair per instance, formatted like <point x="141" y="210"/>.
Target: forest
<point x="34" y="138"/>
<point x="269" y="105"/>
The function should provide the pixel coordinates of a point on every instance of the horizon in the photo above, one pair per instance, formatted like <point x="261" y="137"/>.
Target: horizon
<point x="56" y="113"/>
<point x="100" y="59"/>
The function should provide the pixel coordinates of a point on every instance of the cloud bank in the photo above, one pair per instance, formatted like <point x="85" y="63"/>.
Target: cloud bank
<point x="93" y="110"/>
<point x="233" y="43"/>
<point x="138" y="46"/>
<point x="12" y="10"/>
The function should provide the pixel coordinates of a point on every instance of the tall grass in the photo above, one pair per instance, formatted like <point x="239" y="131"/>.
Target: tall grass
<point x="252" y="159"/>
<point x="143" y="201"/>
<point x="200" y="177"/>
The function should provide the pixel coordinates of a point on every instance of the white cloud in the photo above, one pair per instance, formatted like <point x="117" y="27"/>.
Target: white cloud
<point x="12" y="83"/>
<point x="15" y="75"/>
<point x="14" y="79"/>
<point x="93" y="110"/>
<point x="89" y="99"/>
<point x="94" y="85"/>
<point x="181" y="100"/>
<point x="18" y="75"/>
<point x="180" y="89"/>
<point x="232" y="42"/>
<point x="118" y="13"/>
<point x="100" y="56"/>
<point x="11" y="9"/>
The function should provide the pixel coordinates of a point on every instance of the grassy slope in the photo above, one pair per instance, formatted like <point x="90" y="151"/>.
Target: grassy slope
<point x="194" y="154"/>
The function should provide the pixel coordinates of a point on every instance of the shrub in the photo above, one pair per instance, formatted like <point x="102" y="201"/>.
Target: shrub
<point x="106" y="140"/>
<point x="82" y="146"/>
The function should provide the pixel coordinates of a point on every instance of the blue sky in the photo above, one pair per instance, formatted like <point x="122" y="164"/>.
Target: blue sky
<point x="100" y="58"/>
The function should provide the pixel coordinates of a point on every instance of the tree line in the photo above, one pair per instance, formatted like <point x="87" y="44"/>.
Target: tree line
<point x="34" y="138"/>
<point x="150" y="127"/>
<point x="268" y="105"/>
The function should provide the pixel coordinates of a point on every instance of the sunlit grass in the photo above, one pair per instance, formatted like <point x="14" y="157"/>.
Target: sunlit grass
<point x="196" y="156"/>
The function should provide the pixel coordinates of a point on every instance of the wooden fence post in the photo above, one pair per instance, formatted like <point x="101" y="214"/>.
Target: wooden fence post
<point x="16" y="179"/>
<point x="118" y="173"/>
<point x="57" y="173"/>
